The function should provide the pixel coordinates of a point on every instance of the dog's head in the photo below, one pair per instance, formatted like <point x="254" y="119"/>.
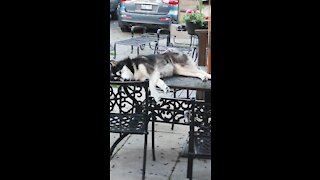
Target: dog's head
<point x="121" y="70"/>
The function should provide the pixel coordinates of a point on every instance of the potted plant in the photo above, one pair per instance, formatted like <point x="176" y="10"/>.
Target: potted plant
<point x="195" y="20"/>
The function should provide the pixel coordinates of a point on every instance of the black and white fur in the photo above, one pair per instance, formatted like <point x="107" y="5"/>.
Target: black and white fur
<point x="154" y="67"/>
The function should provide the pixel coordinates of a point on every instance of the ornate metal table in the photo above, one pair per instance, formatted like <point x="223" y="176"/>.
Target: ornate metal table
<point x="177" y="115"/>
<point x="173" y="110"/>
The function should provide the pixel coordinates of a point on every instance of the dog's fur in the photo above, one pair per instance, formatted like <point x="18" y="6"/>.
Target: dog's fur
<point x="154" y="67"/>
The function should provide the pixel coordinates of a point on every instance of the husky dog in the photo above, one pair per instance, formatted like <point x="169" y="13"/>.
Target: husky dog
<point x="154" y="67"/>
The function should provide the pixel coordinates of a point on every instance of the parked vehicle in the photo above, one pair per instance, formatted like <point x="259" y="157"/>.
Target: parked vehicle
<point x="113" y="8"/>
<point x="149" y="13"/>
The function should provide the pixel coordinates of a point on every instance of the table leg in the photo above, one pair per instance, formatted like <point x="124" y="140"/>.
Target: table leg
<point x="207" y="96"/>
<point x="138" y="50"/>
<point x="115" y="51"/>
<point x="200" y="95"/>
<point x="155" y="48"/>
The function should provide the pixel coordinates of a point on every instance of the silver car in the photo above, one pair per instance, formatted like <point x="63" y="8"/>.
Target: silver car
<point x="150" y="13"/>
<point x="113" y="8"/>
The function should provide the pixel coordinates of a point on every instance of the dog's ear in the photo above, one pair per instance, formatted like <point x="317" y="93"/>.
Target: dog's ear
<point x="113" y="63"/>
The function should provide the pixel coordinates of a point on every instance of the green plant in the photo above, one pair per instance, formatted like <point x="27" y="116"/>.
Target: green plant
<point x="193" y="17"/>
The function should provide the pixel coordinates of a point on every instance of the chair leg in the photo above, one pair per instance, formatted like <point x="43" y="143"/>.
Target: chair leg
<point x="117" y="142"/>
<point x="190" y="167"/>
<point x="174" y="96"/>
<point x="155" y="48"/>
<point x="190" y="159"/>
<point x="172" y="125"/>
<point x="144" y="156"/>
<point x="153" y="149"/>
<point x="191" y="151"/>
<point x="114" y="51"/>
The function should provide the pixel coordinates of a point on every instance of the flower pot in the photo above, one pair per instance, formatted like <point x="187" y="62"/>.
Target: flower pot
<point x="193" y="26"/>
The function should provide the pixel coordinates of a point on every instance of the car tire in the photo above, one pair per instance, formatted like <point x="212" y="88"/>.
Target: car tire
<point x="114" y="15"/>
<point x="124" y="28"/>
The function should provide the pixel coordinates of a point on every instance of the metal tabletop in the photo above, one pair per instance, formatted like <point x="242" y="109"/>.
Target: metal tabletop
<point x="191" y="83"/>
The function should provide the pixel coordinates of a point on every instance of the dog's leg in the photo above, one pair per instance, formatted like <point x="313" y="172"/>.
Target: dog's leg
<point x="207" y="75"/>
<point x="189" y="71"/>
<point x="152" y="86"/>
<point x="190" y="68"/>
<point x="159" y="82"/>
<point x="163" y="86"/>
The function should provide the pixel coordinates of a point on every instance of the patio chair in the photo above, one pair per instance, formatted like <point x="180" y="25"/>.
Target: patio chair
<point x="176" y="40"/>
<point x="199" y="134"/>
<point x="140" y="41"/>
<point x="129" y="113"/>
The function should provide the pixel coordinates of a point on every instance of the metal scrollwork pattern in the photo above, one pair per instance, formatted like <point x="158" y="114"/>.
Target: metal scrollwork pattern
<point x="128" y="110"/>
<point x="202" y="124"/>
<point x="127" y="123"/>
<point x="169" y="110"/>
<point x="127" y="97"/>
<point x="202" y="119"/>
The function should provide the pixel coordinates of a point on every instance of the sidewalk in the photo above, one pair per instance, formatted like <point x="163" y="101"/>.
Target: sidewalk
<point x="127" y="160"/>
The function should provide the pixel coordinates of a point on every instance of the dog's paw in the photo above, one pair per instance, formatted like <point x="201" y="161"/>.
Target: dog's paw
<point x="166" y="90"/>
<point x="209" y="76"/>
<point x="157" y="99"/>
<point x="204" y="78"/>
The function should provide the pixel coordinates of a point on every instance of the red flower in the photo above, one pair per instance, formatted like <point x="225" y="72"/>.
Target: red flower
<point x="189" y="11"/>
<point x="207" y="17"/>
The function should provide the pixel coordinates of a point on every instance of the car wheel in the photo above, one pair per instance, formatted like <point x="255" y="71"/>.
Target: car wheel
<point x="114" y="15"/>
<point x="124" y="28"/>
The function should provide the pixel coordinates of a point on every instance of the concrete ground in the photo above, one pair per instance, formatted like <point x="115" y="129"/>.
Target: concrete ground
<point x="126" y="163"/>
